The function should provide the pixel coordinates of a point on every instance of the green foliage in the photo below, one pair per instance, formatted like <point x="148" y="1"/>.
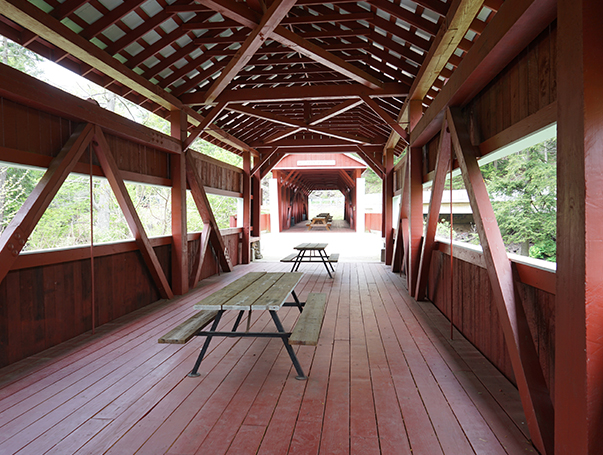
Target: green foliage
<point x="218" y="153"/>
<point x="18" y="57"/>
<point x="523" y="187"/>
<point x="373" y="182"/>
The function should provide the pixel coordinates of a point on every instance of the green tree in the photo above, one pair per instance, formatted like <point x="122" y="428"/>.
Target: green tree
<point x="18" y="57"/>
<point x="523" y="187"/>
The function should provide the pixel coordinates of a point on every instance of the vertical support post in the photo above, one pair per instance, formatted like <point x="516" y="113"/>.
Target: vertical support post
<point x="579" y="301"/>
<point x="360" y="203"/>
<point x="388" y="191"/>
<point x="256" y="202"/>
<point x="415" y="225"/>
<point x="274" y="206"/>
<point x="180" y="279"/>
<point x="246" y="252"/>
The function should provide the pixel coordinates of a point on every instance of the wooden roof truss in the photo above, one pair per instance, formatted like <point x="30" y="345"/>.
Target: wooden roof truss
<point x="252" y="75"/>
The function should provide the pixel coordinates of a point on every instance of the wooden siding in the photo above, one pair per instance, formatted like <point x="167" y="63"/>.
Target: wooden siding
<point x="31" y="137"/>
<point x="527" y="85"/>
<point x="216" y="174"/>
<point x="475" y="315"/>
<point x="30" y="130"/>
<point x="47" y="304"/>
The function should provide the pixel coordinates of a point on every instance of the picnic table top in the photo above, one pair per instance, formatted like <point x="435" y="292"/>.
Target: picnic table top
<point x="311" y="246"/>
<point x="254" y="291"/>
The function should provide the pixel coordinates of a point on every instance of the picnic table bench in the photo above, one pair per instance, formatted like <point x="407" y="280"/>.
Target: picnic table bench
<point x="254" y="291"/>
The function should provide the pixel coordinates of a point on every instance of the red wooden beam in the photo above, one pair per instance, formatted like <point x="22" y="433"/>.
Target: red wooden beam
<point x="178" y="192"/>
<point x="386" y="117"/>
<point x="277" y="11"/>
<point x="415" y="218"/>
<point x="401" y="229"/>
<point x="246" y="252"/>
<point x="535" y="397"/>
<point x="207" y="120"/>
<point x="203" y="243"/>
<point x="113" y="174"/>
<point x="579" y="300"/>
<point x="437" y="189"/>
<point x="310" y="93"/>
<point x="17" y="232"/>
<point x="203" y="206"/>
<point x="371" y="160"/>
<point x="388" y="192"/>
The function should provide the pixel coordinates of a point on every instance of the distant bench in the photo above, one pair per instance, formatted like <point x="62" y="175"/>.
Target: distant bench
<point x="305" y="332"/>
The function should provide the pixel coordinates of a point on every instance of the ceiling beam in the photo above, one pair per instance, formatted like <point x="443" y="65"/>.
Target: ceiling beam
<point x="460" y="16"/>
<point x="517" y="23"/>
<point x="246" y="17"/>
<point x="309" y="93"/>
<point x="277" y="11"/>
<point x="280" y="119"/>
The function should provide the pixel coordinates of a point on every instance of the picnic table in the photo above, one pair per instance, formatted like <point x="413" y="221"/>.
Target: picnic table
<point x="312" y="252"/>
<point x="319" y="221"/>
<point x="255" y="291"/>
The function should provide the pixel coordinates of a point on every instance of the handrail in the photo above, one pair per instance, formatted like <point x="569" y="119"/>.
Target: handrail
<point x="54" y="256"/>
<point x="533" y="272"/>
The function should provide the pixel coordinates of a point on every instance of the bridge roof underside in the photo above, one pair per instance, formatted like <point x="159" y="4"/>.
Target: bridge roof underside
<point x="254" y="79"/>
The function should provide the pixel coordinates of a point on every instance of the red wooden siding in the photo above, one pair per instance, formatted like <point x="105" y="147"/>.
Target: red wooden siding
<point x="527" y="85"/>
<point x="372" y="221"/>
<point x="47" y="304"/>
<point x="476" y="317"/>
<point x="219" y="175"/>
<point x="265" y="222"/>
<point x="142" y="162"/>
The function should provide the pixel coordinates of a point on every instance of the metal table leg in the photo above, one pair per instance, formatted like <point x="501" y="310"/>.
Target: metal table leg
<point x="299" y="261"/>
<point x="325" y="261"/>
<point x="195" y="372"/>
<point x="279" y="327"/>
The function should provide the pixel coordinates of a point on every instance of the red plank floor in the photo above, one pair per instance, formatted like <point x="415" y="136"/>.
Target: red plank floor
<point x="384" y="378"/>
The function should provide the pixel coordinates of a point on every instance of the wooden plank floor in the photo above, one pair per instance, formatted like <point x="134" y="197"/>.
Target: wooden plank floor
<point x="384" y="378"/>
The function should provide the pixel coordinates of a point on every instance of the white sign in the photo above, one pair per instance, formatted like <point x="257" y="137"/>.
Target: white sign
<point x="316" y="163"/>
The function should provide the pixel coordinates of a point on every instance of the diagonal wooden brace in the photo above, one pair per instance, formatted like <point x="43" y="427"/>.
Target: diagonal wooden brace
<point x="535" y="396"/>
<point x="113" y="174"/>
<point x="15" y="235"/>
<point x="437" y="189"/>
<point x="207" y="215"/>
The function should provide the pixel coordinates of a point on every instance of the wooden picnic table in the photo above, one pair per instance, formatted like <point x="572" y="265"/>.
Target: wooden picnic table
<point x="306" y="252"/>
<point x="319" y="221"/>
<point x="256" y="291"/>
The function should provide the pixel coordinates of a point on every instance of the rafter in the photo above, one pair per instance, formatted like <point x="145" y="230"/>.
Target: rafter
<point x="459" y="19"/>
<point x="47" y="27"/>
<point x="246" y="17"/>
<point x="277" y="11"/>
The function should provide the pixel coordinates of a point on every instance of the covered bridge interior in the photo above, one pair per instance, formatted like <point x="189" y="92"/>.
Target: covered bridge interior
<point x="297" y="175"/>
<point x="437" y="82"/>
